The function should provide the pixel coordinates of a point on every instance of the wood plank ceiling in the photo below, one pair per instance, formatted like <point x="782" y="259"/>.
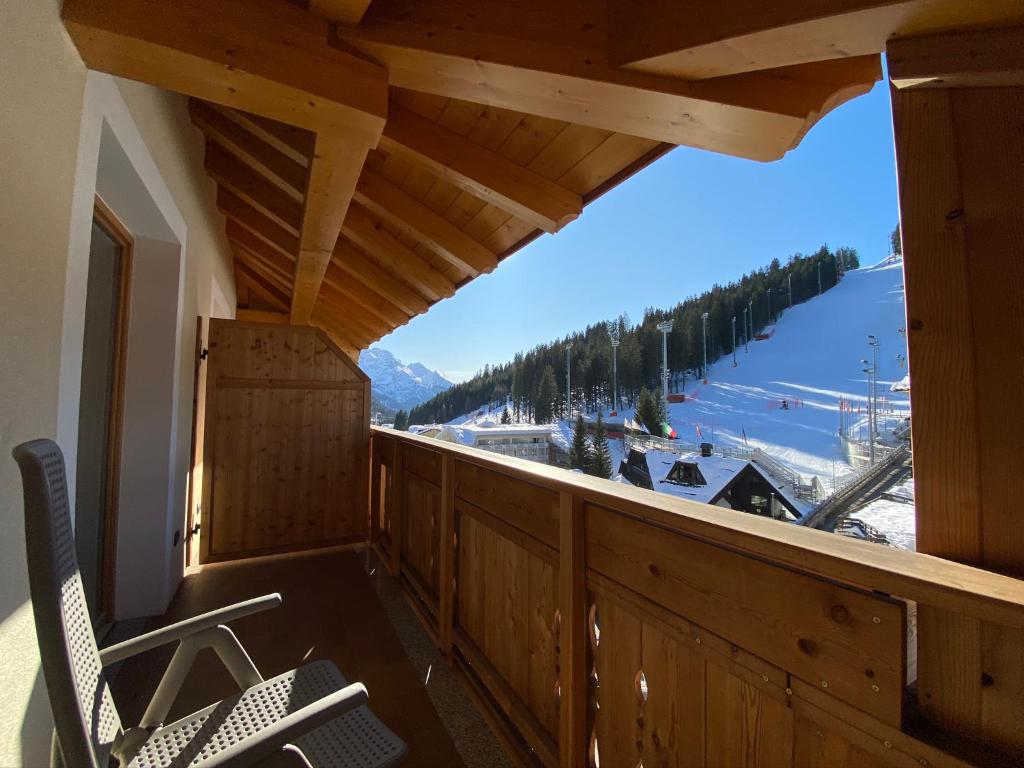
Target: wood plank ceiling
<point x="373" y="157"/>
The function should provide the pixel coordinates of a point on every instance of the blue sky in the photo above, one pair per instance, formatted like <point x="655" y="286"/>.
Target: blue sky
<point x="690" y="220"/>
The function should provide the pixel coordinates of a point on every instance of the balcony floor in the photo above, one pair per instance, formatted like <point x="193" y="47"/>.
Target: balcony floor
<point x="332" y="609"/>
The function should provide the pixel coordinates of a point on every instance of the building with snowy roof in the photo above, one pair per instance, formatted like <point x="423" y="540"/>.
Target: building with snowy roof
<point x="524" y="441"/>
<point x="725" y="481"/>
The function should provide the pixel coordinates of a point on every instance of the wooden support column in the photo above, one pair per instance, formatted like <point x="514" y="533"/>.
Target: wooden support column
<point x="960" y="157"/>
<point x="446" y="555"/>
<point x="572" y="600"/>
<point x="397" y="509"/>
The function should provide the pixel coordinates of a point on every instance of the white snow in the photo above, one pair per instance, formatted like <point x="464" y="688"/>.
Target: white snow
<point x="397" y="384"/>
<point x="812" y="359"/>
<point x="894" y="518"/>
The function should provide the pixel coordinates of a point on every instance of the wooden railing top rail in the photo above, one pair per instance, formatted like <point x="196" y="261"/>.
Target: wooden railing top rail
<point x="923" y="578"/>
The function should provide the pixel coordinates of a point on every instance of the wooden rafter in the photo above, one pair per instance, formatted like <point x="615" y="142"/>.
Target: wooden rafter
<point x="337" y="163"/>
<point x="259" y="283"/>
<point x="253" y="188"/>
<point x="264" y="57"/>
<point x="479" y="171"/>
<point x="364" y="297"/>
<point x="985" y="57"/>
<point x="239" y="212"/>
<point x="263" y="157"/>
<point x="412" y="218"/>
<point x="369" y="273"/>
<point x="499" y="54"/>
<point x="399" y="260"/>
<point x="709" y="38"/>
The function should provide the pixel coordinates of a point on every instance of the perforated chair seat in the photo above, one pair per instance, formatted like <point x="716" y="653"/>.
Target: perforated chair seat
<point x="357" y="739"/>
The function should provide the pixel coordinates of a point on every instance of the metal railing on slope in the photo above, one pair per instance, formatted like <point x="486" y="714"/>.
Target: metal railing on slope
<point x="825" y="512"/>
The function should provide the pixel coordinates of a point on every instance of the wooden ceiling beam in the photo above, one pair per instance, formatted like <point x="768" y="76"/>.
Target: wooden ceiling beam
<point x="414" y="219"/>
<point x="337" y="163"/>
<point x="230" y="172"/>
<point x="479" y="171"/>
<point x="290" y="140"/>
<point x="369" y="273"/>
<point x="281" y="266"/>
<point x="348" y="12"/>
<point x="340" y="341"/>
<point x="261" y="285"/>
<point x="708" y="38"/>
<point x="288" y="175"/>
<point x="386" y="250"/>
<point x="965" y="59"/>
<point x="328" y="304"/>
<point x="528" y="58"/>
<point x="262" y="56"/>
<point x="363" y="296"/>
<point x="374" y="326"/>
<point x="235" y="209"/>
<point x="265" y="57"/>
<point x="324" y="315"/>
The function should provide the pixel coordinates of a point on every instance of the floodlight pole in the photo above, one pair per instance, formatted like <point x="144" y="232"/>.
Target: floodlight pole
<point x="789" y="280"/>
<point x="704" y="323"/>
<point x="664" y="327"/>
<point x="750" y="306"/>
<point x="568" y="381"/>
<point x="734" y="363"/>
<point x="873" y="401"/>
<point x="746" y="336"/>
<point x="769" y="304"/>
<point x="615" y="373"/>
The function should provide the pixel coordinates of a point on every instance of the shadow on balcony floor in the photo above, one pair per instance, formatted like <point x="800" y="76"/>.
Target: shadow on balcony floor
<point x="331" y="610"/>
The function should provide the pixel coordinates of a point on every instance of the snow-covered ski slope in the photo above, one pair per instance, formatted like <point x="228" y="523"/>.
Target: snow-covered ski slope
<point x="812" y="359"/>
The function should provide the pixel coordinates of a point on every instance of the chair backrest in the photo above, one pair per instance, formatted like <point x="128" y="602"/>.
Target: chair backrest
<point x="83" y="711"/>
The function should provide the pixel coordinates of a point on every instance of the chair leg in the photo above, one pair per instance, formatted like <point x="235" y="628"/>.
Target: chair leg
<point x="231" y="653"/>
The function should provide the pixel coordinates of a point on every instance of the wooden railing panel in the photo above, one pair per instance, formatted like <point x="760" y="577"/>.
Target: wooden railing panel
<point x="423" y="463"/>
<point x="843" y="639"/>
<point x="420" y="530"/>
<point x="532" y="509"/>
<point x="506" y="604"/>
<point x="757" y="643"/>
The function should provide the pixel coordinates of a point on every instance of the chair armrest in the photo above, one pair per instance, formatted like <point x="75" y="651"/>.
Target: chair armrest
<point x="183" y="629"/>
<point x="272" y="739"/>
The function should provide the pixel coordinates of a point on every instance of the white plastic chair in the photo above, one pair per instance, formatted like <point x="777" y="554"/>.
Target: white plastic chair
<point x="310" y="716"/>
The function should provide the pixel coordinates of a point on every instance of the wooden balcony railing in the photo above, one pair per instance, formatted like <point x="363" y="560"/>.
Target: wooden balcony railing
<point x="605" y="625"/>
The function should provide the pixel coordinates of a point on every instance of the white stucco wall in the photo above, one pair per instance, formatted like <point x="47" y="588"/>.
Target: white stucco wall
<point x="52" y="119"/>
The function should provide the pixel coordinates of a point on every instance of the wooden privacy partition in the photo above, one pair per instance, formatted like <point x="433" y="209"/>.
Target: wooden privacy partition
<point x="605" y="625"/>
<point x="286" y="442"/>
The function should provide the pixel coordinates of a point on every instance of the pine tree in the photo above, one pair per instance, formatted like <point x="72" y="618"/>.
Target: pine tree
<point x="506" y="417"/>
<point x="896" y="241"/>
<point x="547" y="397"/>
<point x="600" y="455"/>
<point x="579" y="454"/>
<point x="401" y="421"/>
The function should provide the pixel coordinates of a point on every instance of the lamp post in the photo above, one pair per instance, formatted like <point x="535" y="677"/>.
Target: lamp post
<point x="750" y="307"/>
<point x="615" y="373"/>
<point x="568" y="381"/>
<point x="746" y="336"/>
<point x="704" y="323"/>
<point x="873" y="414"/>
<point x="734" y="363"/>
<point x="664" y="327"/>
<point x="769" y="304"/>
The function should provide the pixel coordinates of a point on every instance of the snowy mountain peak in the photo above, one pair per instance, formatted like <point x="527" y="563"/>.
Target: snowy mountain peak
<point x="397" y="384"/>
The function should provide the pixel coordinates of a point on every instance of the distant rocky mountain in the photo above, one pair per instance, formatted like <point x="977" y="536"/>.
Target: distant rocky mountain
<point x="397" y="385"/>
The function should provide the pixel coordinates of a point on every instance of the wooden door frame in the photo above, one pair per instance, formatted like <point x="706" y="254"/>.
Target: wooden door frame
<point x="109" y="222"/>
<point x="195" y="491"/>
